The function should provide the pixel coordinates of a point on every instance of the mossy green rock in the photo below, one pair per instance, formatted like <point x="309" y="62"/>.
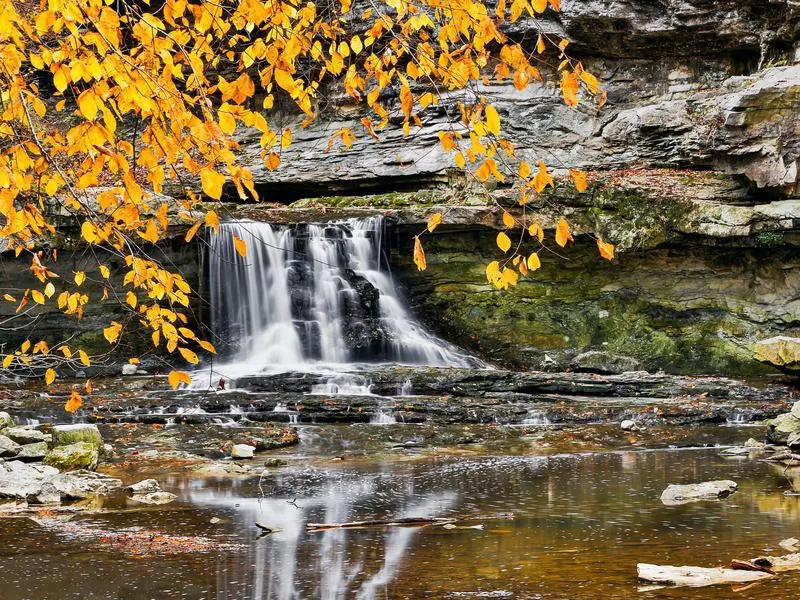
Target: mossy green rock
<point x="5" y="420"/>
<point x="781" y="351"/>
<point x="81" y="455"/>
<point x="64" y="435"/>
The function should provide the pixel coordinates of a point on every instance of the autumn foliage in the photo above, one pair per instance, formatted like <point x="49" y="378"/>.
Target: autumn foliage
<point x="108" y="103"/>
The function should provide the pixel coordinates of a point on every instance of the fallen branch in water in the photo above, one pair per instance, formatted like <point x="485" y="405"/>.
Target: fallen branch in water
<point x="740" y="572"/>
<point x="407" y="522"/>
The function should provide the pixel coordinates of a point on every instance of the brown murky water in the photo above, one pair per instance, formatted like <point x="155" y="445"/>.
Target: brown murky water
<point x="580" y="524"/>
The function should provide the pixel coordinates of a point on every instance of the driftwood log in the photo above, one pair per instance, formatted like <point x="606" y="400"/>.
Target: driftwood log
<point x="697" y="576"/>
<point x="408" y="522"/>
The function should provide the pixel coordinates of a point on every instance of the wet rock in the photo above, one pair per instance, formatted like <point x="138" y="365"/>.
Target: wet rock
<point x="129" y="369"/>
<point x="780" y="351"/>
<point x="20" y="481"/>
<point x="5" y="420"/>
<point x="80" y="455"/>
<point x="8" y="447"/>
<point x="696" y="492"/>
<point x="47" y="494"/>
<point x="64" y="435"/>
<point x="146" y="486"/>
<point x="159" y="497"/>
<point x="242" y="451"/>
<point x="628" y="425"/>
<point x="24" y="435"/>
<point x="597" y="361"/>
<point x="81" y="484"/>
<point x="35" y="451"/>
<point x="782" y="427"/>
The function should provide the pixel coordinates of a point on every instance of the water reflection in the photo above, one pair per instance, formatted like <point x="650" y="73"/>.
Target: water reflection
<point x="330" y="564"/>
<point x="580" y="524"/>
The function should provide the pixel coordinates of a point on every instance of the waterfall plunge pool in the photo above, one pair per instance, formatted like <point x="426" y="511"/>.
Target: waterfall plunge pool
<point x="566" y="526"/>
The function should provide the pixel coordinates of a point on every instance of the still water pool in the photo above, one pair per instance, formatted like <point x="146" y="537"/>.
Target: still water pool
<point x="556" y="527"/>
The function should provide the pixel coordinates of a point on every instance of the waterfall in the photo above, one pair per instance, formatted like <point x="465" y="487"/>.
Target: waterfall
<point x="311" y="295"/>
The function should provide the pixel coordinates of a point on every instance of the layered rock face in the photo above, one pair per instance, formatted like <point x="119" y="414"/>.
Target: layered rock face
<point x="693" y="175"/>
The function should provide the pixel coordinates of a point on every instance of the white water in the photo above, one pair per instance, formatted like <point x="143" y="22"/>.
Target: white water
<point x="292" y="303"/>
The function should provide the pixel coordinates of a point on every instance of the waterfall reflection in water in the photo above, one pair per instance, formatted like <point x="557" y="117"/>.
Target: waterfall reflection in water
<point x="330" y="560"/>
<point x="305" y="297"/>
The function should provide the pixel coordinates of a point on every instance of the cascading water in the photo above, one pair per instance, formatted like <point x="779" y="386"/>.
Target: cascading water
<point x="312" y="295"/>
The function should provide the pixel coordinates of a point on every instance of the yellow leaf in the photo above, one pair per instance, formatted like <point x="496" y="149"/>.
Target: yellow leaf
<point x="484" y="171"/>
<point x="539" y="5"/>
<point x="493" y="274"/>
<point x="84" y="358"/>
<point x="536" y="231"/>
<point x="89" y="232"/>
<point x="286" y="138"/>
<point x="459" y="159"/>
<point x="61" y="77"/>
<point x="87" y="104"/>
<point x="492" y="119"/>
<point x="606" y="249"/>
<point x="563" y="234"/>
<point x="80" y="276"/>
<point x="49" y="289"/>
<point x="192" y="231"/>
<point x="356" y="45"/>
<point x="419" y="255"/>
<point x="569" y="88"/>
<point x="130" y="300"/>
<point x="590" y="81"/>
<point x="241" y="246"/>
<point x="104" y="271"/>
<point x="74" y="403"/>
<point x="434" y="221"/>
<point x="37" y="296"/>
<point x="509" y="277"/>
<point x="49" y="376"/>
<point x="533" y="262"/>
<point x="8" y="360"/>
<point x="207" y="346"/>
<point x="524" y="170"/>
<point x="212" y="182"/>
<point x="189" y="356"/>
<point x="111" y="333"/>
<point x="175" y="378"/>
<point x="503" y="241"/>
<point x="508" y="220"/>
<point x="134" y="361"/>
<point x="540" y="45"/>
<point x="212" y="220"/>
<point x="579" y="178"/>
<point x="25" y="346"/>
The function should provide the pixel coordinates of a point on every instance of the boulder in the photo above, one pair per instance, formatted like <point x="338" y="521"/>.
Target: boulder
<point x="146" y="486"/>
<point x="85" y="484"/>
<point x="160" y="497"/>
<point x="5" y="420"/>
<point x="129" y="369"/>
<point x="242" y="451"/>
<point x="35" y="451"/>
<point x="597" y="361"/>
<point x="696" y="492"/>
<point x="8" y="447"/>
<point x="20" y="481"/>
<point x="782" y="427"/>
<point x="24" y="435"/>
<point x="80" y="455"/>
<point x="781" y="351"/>
<point x="64" y="435"/>
<point x="628" y="425"/>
